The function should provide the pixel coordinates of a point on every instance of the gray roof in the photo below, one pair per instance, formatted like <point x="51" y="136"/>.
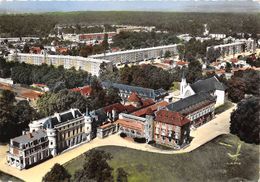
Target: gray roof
<point x="65" y="116"/>
<point x="142" y="92"/>
<point x="35" y="136"/>
<point x="195" y="101"/>
<point x="208" y="85"/>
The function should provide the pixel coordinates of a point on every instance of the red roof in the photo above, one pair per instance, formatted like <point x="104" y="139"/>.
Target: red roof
<point x="39" y="84"/>
<point x="170" y="117"/>
<point x="130" y="108"/>
<point x="117" y="106"/>
<point x="147" y="102"/>
<point x="36" y="50"/>
<point x="86" y="90"/>
<point x="133" y="97"/>
<point x="233" y="60"/>
<point x="168" y="61"/>
<point x="182" y="63"/>
<point x="138" y="126"/>
<point x="152" y="108"/>
<point x="32" y="95"/>
<point x="62" y="50"/>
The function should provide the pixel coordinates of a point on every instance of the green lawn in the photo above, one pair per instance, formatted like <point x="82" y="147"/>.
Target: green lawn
<point x="207" y="163"/>
<point x="228" y="104"/>
<point x="6" y="177"/>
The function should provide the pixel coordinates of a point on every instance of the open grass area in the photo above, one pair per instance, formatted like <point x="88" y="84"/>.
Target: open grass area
<point x="6" y="177"/>
<point x="215" y="161"/>
<point x="228" y="104"/>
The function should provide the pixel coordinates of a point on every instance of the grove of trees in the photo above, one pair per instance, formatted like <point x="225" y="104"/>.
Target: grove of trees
<point x="55" y="78"/>
<point x="241" y="83"/>
<point x="192" y="23"/>
<point x="14" y="116"/>
<point x="137" y="40"/>
<point x="245" y="120"/>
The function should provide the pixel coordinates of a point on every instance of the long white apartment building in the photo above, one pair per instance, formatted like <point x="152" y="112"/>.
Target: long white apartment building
<point x="87" y="64"/>
<point x="236" y="47"/>
<point x="137" y="54"/>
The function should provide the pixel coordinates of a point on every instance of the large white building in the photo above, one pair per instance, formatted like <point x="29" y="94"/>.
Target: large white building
<point x="87" y="64"/>
<point x="137" y="54"/>
<point x="48" y="137"/>
<point x="236" y="47"/>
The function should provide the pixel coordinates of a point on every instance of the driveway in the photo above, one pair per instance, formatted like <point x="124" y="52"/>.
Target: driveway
<point x="203" y="134"/>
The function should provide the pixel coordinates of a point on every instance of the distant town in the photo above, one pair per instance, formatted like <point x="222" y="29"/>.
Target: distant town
<point x="147" y="88"/>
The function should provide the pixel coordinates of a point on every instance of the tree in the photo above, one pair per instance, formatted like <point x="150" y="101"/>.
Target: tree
<point x="96" y="167"/>
<point x="14" y="117"/>
<point x="105" y="43"/>
<point x="83" y="52"/>
<point x="228" y="67"/>
<point x="243" y="82"/>
<point x="24" y="113"/>
<point x="112" y="96"/>
<point x="26" y="48"/>
<point x="121" y="175"/>
<point x="63" y="100"/>
<point x="194" y="72"/>
<point x="57" y="174"/>
<point x="21" y="74"/>
<point x="245" y="120"/>
<point x="167" y="54"/>
<point x="236" y="89"/>
<point x="213" y="54"/>
<point x="7" y="124"/>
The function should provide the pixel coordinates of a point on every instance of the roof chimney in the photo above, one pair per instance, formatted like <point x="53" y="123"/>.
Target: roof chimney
<point x="29" y="135"/>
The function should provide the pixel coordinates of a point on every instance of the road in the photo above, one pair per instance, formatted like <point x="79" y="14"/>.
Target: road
<point x="203" y="134"/>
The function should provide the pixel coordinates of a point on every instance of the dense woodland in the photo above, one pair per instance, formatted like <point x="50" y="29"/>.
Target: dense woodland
<point x="243" y="82"/>
<point x="149" y="76"/>
<point x="56" y="78"/>
<point x="14" y="116"/>
<point x="136" y="40"/>
<point x="42" y="24"/>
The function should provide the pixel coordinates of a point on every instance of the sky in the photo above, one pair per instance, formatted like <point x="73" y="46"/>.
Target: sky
<point x="38" y="6"/>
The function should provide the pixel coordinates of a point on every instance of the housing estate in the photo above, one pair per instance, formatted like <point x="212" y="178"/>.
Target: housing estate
<point x="137" y="54"/>
<point x="87" y="64"/>
<point x="236" y="47"/>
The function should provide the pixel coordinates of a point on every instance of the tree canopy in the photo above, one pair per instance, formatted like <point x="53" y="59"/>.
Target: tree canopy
<point x="42" y="24"/>
<point x="243" y="82"/>
<point x="245" y="120"/>
<point x="27" y="74"/>
<point x="96" y="167"/>
<point x="14" y="116"/>
<point x="63" y="100"/>
<point x="57" y="174"/>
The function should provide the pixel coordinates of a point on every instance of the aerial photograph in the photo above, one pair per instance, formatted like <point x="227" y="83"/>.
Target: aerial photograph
<point x="129" y="90"/>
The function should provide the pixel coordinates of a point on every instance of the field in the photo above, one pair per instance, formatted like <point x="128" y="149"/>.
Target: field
<point x="215" y="161"/>
<point x="228" y="104"/>
<point x="6" y="177"/>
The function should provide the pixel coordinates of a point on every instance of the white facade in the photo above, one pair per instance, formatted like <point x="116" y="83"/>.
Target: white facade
<point x="87" y="64"/>
<point x="235" y="47"/>
<point x="137" y="54"/>
<point x="186" y="91"/>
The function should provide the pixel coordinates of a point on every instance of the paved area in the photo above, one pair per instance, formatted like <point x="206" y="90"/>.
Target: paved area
<point x="205" y="133"/>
